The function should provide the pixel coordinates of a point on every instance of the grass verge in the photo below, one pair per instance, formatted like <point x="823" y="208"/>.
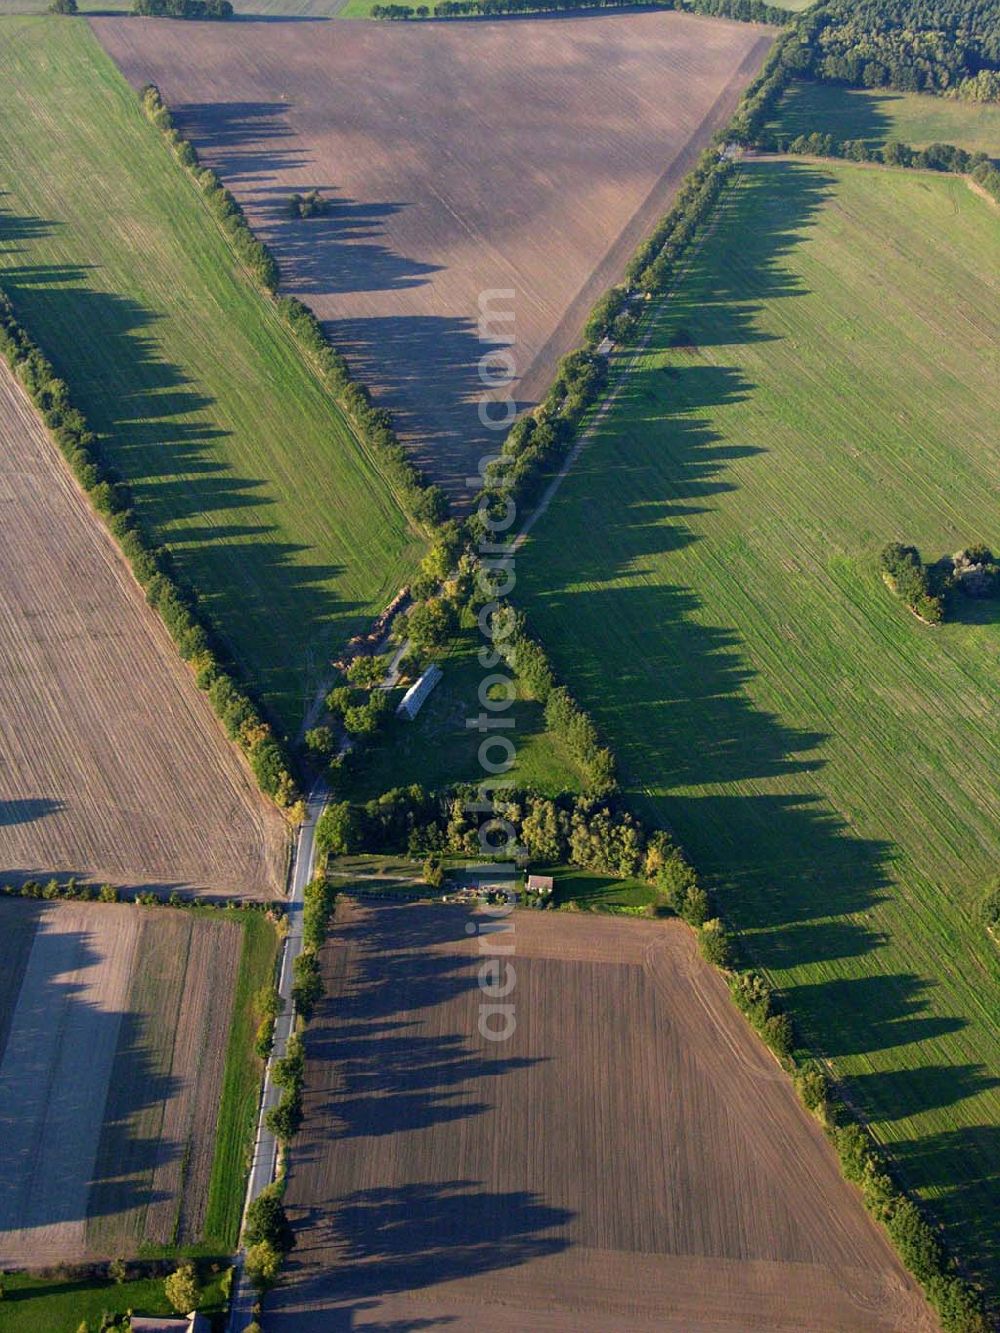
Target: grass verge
<point x="237" y="1122"/>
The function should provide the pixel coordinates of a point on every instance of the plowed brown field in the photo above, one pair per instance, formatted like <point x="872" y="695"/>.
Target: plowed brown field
<point x="527" y="155"/>
<point x="110" y="1076"/>
<point x="112" y="765"/>
<point x="632" y="1158"/>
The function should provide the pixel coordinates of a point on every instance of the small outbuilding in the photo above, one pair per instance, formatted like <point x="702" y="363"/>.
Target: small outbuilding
<point x="540" y="884"/>
<point x="191" y="1323"/>
<point x="416" y="696"/>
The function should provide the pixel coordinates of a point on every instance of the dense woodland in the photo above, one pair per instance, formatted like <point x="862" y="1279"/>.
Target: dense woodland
<point x="915" y="45"/>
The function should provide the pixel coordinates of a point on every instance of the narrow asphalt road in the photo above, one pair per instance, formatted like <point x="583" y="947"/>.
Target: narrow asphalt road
<point x="265" y="1153"/>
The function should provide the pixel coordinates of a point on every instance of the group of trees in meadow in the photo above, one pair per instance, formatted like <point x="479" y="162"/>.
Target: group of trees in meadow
<point x="929" y="590"/>
<point x="183" y="9"/>
<point x="938" y="46"/>
<point x="151" y="564"/>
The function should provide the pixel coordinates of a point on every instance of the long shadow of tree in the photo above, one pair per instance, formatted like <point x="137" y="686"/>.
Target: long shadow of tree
<point x="161" y="434"/>
<point x="377" y="1069"/>
<point x="424" y="367"/>
<point x="62" y="1140"/>
<point x="787" y="868"/>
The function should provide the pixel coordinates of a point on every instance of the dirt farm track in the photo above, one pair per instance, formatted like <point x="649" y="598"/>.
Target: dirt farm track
<point x="632" y="1158"/>
<point x="112" y="765"/>
<point x="521" y="156"/>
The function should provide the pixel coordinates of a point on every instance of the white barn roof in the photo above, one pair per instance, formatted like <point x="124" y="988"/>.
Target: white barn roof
<point x="414" y="698"/>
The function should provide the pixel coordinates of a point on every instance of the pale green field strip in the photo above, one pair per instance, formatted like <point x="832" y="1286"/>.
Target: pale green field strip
<point x="236" y="454"/>
<point x="877" y="115"/>
<point x="828" y="761"/>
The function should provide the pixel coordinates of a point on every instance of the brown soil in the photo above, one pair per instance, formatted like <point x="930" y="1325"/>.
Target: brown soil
<point x="112" y="765"/>
<point x="632" y="1158"/>
<point x="530" y="155"/>
<point x="111" y="1076"/>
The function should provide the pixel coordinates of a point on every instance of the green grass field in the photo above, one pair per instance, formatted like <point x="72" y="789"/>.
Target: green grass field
<point x="824" y="380"/>
<point x="878" y="116"/>
<point x="241" y="1085"/>
<point x="53" y="1305"/>
<point x="236" y="454"/>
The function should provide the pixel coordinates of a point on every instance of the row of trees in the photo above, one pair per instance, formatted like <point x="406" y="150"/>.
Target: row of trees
<point x="151" y="564"/>
<point x="426" y="503"/>
<point x="748" y="11"/>
<point x="935" y="157"/>
<point x="183" y="9"/>
<point x="914" y="45"/>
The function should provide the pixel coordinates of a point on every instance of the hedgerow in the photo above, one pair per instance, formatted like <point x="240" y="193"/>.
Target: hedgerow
<point x="150" y="563"/>
<point x="426" y="504"/>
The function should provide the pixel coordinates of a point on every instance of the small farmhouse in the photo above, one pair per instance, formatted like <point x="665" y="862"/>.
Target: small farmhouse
<point x="414" y="698"/>
<point x="540" y="884"/>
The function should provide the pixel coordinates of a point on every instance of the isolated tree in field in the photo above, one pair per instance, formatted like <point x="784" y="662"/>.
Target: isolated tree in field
<point x="63" y="7"/>
<point x="182" y="1290"/>
<point x="118" y="1272"/>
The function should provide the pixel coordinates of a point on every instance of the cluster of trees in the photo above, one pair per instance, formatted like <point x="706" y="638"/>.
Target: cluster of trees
<point x="749" y="11"/>
<point x="974" y="571"/>
<point x="425" y="503"/>
<point x="908" y="577"/>
<point x="183" y="9"/>
<point x="914" y="45"/>
<point x="310" y="205"/>
<point x="989" y="910"/>
<point x="929" y="590"/>
<point x="63" y="7"/>
<point x="150" y="563"/>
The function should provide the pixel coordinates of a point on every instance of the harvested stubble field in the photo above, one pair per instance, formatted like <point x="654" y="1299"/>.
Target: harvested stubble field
<point x="823" y="380"/>
<point x="632" y="1158"/>
<point x="112" y="765"/>
<point x="526" y="155"/>
<point x="115" y="1024"/>
<point x="237" y="457"/>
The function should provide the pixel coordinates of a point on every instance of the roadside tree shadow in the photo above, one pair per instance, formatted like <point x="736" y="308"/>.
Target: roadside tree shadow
<point x="26" y="811"/>
<point x="161" y="434"/>
<point x="59" y="1090"/>
<point x="387" y="1073"/>
<point x="740" y="787"/>
<point x="966" y="1207"/>
<point x="241" y="140"/>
